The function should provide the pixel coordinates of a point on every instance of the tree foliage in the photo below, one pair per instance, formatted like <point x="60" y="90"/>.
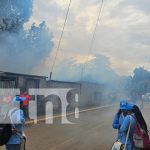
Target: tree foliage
<point x="139" y="84"/>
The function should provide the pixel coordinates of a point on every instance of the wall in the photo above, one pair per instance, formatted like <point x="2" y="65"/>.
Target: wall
<point x="90" y="94"/>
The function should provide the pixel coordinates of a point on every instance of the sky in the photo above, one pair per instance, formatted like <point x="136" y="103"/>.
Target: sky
<point x="122" y="35"/>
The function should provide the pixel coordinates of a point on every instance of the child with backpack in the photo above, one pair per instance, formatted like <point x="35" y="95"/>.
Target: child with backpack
<point x="140" y="138"/>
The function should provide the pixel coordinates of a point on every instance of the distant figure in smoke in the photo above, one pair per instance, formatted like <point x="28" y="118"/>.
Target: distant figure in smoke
<point x="142" y="102"/>
<point x="119" y="118"/>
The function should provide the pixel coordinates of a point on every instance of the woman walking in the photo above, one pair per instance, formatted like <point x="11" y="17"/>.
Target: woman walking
<point x="128" y="127"/>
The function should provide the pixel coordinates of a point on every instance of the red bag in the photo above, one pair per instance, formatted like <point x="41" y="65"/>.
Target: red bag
<point x="141" y="138"/>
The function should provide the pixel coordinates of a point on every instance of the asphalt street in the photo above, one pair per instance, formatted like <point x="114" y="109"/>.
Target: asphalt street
<point x="92" y="131"/>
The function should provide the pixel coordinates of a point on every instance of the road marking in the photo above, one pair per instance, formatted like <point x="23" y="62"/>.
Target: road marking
<point x="96" y="127"/>
<point x="69" y="114"/>
<point x="70" y="139"/>
<point x="59" y="145"/>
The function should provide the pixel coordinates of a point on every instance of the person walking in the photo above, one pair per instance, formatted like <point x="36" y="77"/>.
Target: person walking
<point x="17" y="122"/>
<point x="25" y="103"/>
<point x="127" y="128"/>
<point x="119" y="118"/>
<point x="141" y="136"/>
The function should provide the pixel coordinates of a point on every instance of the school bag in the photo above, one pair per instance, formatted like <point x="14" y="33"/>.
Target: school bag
<point x="141" y="138"/>
<point x="6" y="129"/>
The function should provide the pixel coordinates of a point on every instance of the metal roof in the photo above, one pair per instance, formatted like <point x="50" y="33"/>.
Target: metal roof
<point x="2" y="73"/>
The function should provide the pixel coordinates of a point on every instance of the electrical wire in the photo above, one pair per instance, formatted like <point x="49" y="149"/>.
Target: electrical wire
<point x="93" y="38"/>
<point x="60" y="39"/>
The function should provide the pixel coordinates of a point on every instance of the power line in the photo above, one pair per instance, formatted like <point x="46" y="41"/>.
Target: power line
<point x="60" y="39"/>
<point x="93" y="38"/>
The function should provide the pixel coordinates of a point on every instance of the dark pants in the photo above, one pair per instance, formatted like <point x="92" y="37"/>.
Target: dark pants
<point x="25" y="110"/>
<point x="13" y="147"/>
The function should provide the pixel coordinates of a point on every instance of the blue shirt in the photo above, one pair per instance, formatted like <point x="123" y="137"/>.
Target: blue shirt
<point x="18" y="122"/>
<point x="124" y="129"/>
<point x="118" y="120"/>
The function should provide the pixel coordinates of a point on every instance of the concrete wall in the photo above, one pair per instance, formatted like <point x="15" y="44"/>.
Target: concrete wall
<point x="21" y="82"/>
<point x="90" y="94"/>
<point x="74" y="89"/>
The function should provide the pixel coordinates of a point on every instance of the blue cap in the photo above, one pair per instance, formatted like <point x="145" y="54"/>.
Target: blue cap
<point x="18" y="99"/>
<point x="130" y="106"/>
<point x="123" y="105"/>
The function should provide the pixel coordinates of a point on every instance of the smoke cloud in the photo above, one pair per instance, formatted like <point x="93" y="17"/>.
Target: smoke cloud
<point x="13" y="13"/>
<point x="96" y="70"/>
<point x="21" y="50"/>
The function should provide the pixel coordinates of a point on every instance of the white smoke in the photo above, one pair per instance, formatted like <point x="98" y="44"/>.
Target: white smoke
<point x="20" y="49"/>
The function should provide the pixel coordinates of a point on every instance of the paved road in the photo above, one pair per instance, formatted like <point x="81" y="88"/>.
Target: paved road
<point x="92" y="131"/>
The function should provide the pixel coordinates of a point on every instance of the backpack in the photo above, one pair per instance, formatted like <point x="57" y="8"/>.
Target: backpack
<point x="141" y="138"/>
<point x="6" y="130"/>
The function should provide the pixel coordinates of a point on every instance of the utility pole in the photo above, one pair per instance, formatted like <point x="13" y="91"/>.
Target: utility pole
<point x="50" y="76"/>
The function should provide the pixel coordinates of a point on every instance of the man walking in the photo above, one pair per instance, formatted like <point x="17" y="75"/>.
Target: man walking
<point x="25" y="103"/>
